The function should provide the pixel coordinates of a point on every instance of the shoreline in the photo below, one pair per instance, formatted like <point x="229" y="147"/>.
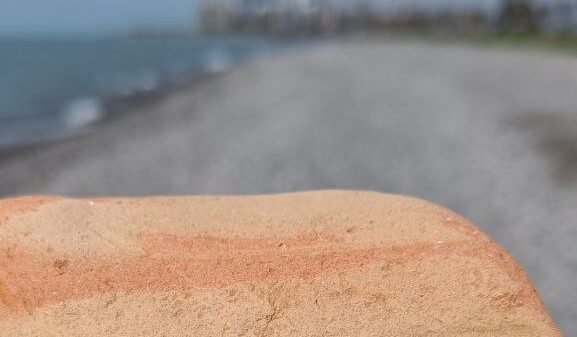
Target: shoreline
<point x="87" y="109"/>
<point x="116" y="107"/>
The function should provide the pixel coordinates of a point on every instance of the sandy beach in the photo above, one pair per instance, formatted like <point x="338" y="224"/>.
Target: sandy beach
<point x="488" y="133"/>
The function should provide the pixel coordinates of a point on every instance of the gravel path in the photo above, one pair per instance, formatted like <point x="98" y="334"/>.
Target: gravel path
<point x="490" y="134"/>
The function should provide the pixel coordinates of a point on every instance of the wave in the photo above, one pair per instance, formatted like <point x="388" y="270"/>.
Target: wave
<point x="82" y="112"/>
<point x="217" y="61"/>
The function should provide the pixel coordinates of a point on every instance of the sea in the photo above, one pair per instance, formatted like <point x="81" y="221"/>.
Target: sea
<point x="56" y="87"/>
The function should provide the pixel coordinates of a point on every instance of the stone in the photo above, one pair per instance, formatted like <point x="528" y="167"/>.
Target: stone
<point x="331" y="263"/>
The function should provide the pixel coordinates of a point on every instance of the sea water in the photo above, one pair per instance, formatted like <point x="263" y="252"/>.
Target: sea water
<point x="53" y="87"/>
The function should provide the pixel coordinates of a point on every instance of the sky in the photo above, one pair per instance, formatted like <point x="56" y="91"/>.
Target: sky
<point x="90" y="16"/>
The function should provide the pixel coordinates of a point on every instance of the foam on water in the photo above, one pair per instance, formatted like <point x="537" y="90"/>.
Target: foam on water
<point x="82" y="112"/>
<point x="217" y="61"/>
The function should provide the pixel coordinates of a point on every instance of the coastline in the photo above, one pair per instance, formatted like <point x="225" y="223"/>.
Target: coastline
<point x="116" y="108"/>
<point x="118" y="124"/>
<point x="75" y="88"/>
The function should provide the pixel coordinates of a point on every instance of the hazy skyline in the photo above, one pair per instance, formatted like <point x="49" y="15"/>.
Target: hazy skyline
<point x="72" y="17"/>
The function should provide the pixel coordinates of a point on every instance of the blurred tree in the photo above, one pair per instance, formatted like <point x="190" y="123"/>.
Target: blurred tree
<point x="518" y="17"/>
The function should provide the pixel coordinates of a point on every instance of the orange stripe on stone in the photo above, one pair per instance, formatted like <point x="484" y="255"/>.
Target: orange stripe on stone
<point x="175" y="262"/>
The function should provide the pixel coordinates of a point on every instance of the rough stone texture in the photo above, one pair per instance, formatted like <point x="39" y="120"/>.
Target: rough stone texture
<point x="328" y="263"/>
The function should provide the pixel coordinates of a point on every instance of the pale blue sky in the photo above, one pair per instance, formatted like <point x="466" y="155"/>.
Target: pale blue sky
<point x="89" y="16"/>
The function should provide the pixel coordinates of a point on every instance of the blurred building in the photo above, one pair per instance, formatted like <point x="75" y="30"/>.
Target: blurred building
<point x="216" y="16"/>
<point x="294" y="17"/>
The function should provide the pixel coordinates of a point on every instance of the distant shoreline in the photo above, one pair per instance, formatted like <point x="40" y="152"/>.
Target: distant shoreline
<point x="84" y="112"/>
<point x="115" y="107"/>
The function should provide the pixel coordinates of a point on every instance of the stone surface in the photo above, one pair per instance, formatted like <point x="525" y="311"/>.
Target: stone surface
<point x="330" y="263"/>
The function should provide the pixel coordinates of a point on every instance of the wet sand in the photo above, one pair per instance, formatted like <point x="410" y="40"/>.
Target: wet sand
<point x="488" y="133"/>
